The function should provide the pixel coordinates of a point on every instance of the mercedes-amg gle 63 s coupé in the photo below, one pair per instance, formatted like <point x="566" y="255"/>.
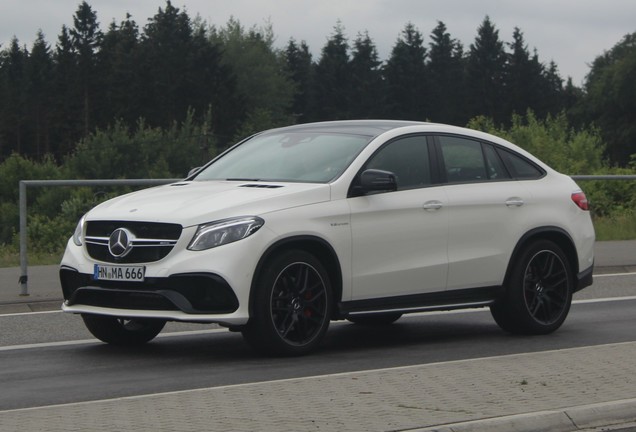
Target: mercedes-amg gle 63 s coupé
<point x="358" y="220"/>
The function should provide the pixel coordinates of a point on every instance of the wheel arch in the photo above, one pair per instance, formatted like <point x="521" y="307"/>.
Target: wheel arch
<point x="318" y="247"/>
<point x="555" y="234"/>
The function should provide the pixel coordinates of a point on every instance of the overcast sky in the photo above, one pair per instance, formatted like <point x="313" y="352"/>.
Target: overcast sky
<point x="570" y="32"/>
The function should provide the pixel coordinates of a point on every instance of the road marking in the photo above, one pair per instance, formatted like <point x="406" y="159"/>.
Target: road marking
<point x="606" y="299"/>
<point x="309" y="378"/>
<point x="95" y="341"/>
<point x="29" y="313"/>
<point x="614" y="274"/>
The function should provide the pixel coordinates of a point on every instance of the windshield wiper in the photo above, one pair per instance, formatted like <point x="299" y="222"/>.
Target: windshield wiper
<point x="242" y="179"/>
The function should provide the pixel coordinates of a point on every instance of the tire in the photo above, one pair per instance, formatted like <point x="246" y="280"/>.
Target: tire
<point x="539" y="291"/>
<point x="122" y="331"/>
<point x="292" y="305"/>
<point x="375" y="319"/>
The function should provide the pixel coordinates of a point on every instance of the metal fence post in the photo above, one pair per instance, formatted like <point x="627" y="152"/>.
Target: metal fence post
<point x="24" y="277"/>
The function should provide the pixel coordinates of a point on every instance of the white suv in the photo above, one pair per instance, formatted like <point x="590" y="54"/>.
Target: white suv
<point x="358" y="220"/>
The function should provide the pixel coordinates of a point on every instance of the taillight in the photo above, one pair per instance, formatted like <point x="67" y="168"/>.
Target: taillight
<point x="580" y="200"/>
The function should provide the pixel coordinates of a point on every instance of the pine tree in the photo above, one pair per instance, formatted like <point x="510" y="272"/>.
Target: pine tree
<point x="214" y="96"/>
<point x="86" y="38"/>
<point x="119" y="66"/>
<point x="446" y="70"/>
<point x="333" y="78"/>
<point x="553" y="95"/>
<point x="366" y="79"/>
<point x="39" y="73"/>
<point x="486" y="74"/>
<point x="406" y="77"/>
<point x="66" y="108"/>
<point x="15" y="104"/>
<point x="299" y="69"/>
<point x="523" y="75"/>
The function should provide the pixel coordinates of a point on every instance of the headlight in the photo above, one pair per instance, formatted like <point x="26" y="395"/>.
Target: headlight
<point x="79" y="229"/>
<point x="225" y="231"/>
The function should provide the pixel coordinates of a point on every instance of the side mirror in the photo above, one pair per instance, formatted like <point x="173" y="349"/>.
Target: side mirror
<point x="373" y="180"/>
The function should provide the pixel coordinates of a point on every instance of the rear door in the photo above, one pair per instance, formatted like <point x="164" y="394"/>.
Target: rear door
<point x="485" y="208"/>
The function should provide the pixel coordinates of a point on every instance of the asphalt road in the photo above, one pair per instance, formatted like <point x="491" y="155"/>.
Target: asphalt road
<point x="49" y="358"/>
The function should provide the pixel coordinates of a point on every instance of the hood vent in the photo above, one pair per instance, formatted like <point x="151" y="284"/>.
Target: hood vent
<point x="261" y="186"/>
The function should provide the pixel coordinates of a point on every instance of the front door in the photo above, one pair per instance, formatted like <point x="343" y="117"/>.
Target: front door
<point x="400" y="238"/>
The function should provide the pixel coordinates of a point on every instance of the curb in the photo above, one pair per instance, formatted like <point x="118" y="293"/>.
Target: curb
<point x="571" y="419"/>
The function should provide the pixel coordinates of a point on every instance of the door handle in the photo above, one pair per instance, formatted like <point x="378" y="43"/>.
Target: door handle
<point x="514" y="202"/>
<point x="432" y="205"/>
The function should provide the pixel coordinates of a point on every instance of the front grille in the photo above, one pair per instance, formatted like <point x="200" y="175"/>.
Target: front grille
<point x="153" y="241"/>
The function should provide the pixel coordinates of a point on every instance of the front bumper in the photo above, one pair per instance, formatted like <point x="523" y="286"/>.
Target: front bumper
<point x="196" y="297"/>
<point x="193" y="293"/>
<point x="207" y="286"/>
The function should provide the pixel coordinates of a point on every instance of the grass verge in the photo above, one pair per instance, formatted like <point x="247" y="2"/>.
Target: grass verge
<point x="617" y="227"/>
<point x="11" y="258"/>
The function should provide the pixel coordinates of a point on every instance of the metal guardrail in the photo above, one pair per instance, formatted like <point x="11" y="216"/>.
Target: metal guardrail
<point x="23" y="184"/>
<point x="603" y="177"/>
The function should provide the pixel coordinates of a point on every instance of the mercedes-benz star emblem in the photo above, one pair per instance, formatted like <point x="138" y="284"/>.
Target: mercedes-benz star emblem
<point x="120" y="242"/>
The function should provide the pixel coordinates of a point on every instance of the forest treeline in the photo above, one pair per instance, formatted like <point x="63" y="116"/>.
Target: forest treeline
<point x="157" y="100"/>
<point x="53" y="95"/>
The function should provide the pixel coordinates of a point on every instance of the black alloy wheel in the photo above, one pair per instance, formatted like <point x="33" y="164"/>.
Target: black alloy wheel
<point x="545" y="287"/>
<point x="292" y="307"/>
<point x="122" y="331"/>
<point x="539" y="292"/>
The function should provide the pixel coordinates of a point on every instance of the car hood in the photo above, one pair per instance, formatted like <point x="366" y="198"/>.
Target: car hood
<point x="194" y="202"/>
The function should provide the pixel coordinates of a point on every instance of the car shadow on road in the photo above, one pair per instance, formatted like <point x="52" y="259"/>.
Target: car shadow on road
<point x="343" y="340"/>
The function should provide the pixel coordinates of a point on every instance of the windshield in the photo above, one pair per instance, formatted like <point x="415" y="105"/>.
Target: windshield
<point x="316" y="157"/>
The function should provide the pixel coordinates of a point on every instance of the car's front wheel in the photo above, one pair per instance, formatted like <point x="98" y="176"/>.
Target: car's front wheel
<point x="292" y="305"/>
<point x="539" y="291"/>
<point x="122" y="331"/>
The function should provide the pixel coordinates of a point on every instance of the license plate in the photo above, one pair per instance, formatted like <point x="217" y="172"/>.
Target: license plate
<point x="119" y="273"/>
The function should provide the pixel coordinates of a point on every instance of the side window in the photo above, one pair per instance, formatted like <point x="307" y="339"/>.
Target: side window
<point x="407" y="158"/>
<point x="519" y="166"/>
<point x="463" y="159"/>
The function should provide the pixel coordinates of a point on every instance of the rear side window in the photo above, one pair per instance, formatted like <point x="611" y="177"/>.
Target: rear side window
<point x="463" y="160"/>
<point x="520" y="167"/>
<point x="494" y="165"/>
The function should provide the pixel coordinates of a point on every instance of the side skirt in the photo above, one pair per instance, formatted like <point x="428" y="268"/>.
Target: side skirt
<point x="442" y="300"/>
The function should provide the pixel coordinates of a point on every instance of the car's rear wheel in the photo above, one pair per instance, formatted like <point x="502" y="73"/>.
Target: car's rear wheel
<point x="539" y="291"/>
<point x="375" y="319"/>
<point x="292" y="305"/>
<point x="122" y="331"/>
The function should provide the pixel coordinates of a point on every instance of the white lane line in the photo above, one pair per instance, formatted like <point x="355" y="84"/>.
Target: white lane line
<point x="606" y="299"/>
<point x="311" y="377"/>
<point x="30" y="313"/>
<point x="95" y="341"/>
<point x="614" y="274"/>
